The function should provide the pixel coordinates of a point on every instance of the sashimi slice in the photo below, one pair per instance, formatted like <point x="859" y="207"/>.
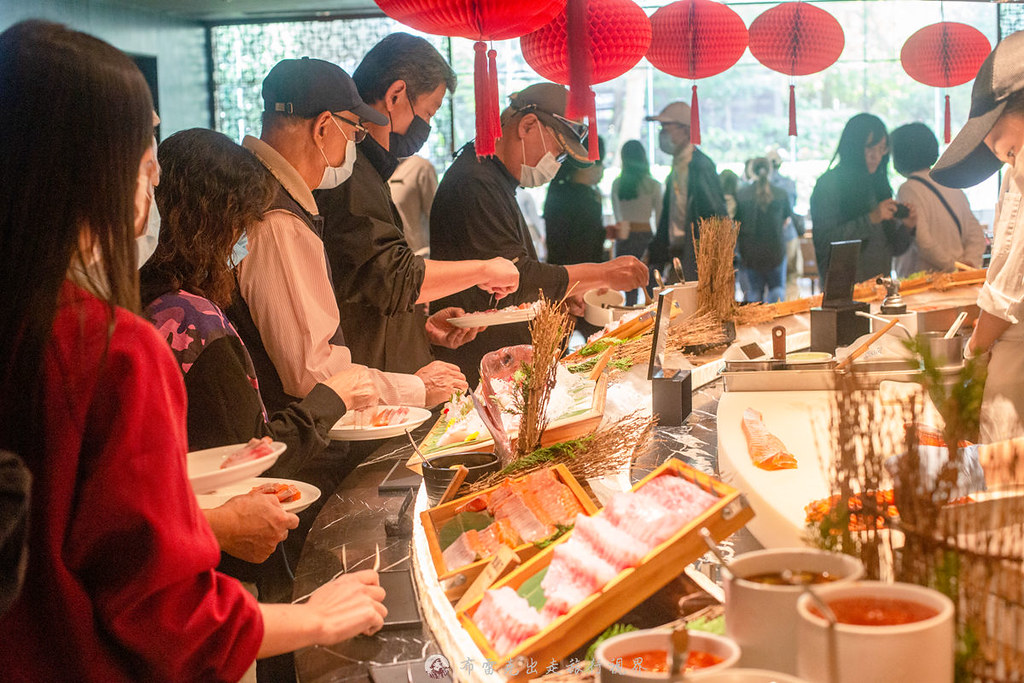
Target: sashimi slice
<point x="506" y="619"/>
<point x="555" y="499"/>
<point x="614" y="545"/>
<point x="522" y="519"/>
<point x="643" y="518"/>
<point x="575" y="573"/>
<point x="766" y="450"/>
<point x="465" y="550"/>
<point x="679" y="495"/>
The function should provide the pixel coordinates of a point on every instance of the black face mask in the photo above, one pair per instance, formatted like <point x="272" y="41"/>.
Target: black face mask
<point x="383" y="160"/>
<point x="406" y="145"/>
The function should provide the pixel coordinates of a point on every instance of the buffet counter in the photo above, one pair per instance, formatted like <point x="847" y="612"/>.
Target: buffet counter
<point x="351" y="526"/>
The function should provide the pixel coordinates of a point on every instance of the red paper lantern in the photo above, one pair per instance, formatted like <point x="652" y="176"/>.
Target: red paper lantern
<point x="944" y="55"/>
<point x="478" y="20"/>
<point x="615" y="37"/>
<point x="695" y="39"/>
<point x="797" y="39"/>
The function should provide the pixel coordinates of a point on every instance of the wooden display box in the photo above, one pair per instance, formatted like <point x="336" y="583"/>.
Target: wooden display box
<point x="435" y="518"/>
<point x="631" y="587"/>
<point x="563" y="429"/>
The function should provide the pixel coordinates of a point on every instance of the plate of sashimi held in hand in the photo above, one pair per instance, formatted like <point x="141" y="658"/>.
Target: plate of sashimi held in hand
<point x="520" y="513"/>
<point x="214" y="468"/>
<point x="609" y="563"/>
<point x="382" y="422"/>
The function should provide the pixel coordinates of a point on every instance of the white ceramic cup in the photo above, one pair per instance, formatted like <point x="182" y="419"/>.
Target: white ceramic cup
<point x="762" y="618"/>
<point x="686" y="298"/>
<point x="620" y="647"/>
<point x="919" y="651"/>
<point x="597" y="315"/>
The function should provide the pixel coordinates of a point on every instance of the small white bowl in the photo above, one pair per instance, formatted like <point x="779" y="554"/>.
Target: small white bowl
<point x="594" y="311"/>
<point x="918" y="651"/>
<point x="657" y="639"/>
<point x="745" y="676"/>
<point x="761" y="617"/>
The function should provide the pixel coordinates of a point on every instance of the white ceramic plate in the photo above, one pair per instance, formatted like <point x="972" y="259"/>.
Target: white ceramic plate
<point x="348" y="427"/>
<point x="205" y="474"/>
<point x="488" y="318"/>
<point x="214" y="498"/>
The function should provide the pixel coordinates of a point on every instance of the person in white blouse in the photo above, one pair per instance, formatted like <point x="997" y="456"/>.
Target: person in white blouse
<point x="994" y="136"/>
<point x="947" y="232"/>
<point x="636" y="197"/>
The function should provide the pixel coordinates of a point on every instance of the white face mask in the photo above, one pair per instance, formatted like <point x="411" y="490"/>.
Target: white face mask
<point x="147" y="241"/>
<point x="336" y="175"/>
<point x="544" y="171"/>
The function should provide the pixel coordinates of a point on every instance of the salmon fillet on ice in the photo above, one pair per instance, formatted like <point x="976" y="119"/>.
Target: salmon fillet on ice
<point x="766" y="450"/>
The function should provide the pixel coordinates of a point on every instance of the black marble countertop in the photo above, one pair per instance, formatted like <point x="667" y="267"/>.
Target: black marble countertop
<point x="351" y="526"/>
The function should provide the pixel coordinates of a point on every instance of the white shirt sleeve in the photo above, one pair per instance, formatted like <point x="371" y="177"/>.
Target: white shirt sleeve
<point x="284" y="281"/>
<point x="1003" y="292"/>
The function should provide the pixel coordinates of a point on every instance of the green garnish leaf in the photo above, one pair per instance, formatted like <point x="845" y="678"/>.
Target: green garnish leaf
<point x="561" y="530"/>
<point x="532" y="592"/>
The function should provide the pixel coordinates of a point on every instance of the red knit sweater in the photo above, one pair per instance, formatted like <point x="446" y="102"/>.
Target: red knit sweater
<point x="121" y="582"/>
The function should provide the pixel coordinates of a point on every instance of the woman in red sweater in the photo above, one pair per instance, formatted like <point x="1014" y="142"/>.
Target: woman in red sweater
<point x="121" y="582"/>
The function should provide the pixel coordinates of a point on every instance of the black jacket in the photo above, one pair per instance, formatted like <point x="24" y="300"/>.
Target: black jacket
<point x="880" y="242"/>
<point x="704" y="199"/>
<point x="761" y="240"/>
<point x="574" y="223"/>
<point x="475" y="215"/>
<point x="377" y="277"/>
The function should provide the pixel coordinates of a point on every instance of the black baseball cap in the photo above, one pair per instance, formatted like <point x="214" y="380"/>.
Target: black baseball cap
<point x="547" y="101"/>
<point x="968" y="160"/>
<point x="308" y="87"/>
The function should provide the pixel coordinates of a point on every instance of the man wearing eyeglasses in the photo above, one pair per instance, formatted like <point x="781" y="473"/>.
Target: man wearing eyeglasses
<point x="380" y="282"/>
<point x="475" y="215"/>
<point x="692" y="192"/>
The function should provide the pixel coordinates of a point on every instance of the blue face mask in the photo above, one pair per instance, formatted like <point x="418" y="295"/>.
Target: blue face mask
<point x="239" y="251"/>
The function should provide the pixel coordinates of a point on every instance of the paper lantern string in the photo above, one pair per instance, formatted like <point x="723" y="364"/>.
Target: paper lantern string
<point x="948" y="129"/>
<point x="694" y="117"/>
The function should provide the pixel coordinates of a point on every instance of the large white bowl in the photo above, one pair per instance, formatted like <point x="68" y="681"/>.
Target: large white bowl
<point x="657" y="639"/>
<point x="919" y="651"/>
<point x="205" y="473"/>
<point x="762" y="618"/>
<point x="745" y="676"/>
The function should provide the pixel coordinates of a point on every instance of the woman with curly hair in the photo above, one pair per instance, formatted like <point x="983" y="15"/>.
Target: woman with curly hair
<point x="211" y="190"/>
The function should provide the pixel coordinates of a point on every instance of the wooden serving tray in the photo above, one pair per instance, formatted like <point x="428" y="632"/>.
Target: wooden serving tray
<point x="435" y="518"/>
<point x="563" y="429"/>
<point x="631" y="587"/>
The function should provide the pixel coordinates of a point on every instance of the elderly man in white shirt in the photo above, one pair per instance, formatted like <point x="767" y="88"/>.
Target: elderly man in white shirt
<point x="947" y="231"/>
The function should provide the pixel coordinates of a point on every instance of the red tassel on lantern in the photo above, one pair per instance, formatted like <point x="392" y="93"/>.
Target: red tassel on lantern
<point x="792" y="109"/>
<point x="944" y="55"/>
<point x="482" y="87"/>
<point x="796" y="38"/>
<point x="492" y="96"/>
<point x="694" y="118"/>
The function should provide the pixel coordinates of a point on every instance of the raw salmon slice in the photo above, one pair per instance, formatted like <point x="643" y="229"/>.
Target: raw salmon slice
<point x="766" y="450"/>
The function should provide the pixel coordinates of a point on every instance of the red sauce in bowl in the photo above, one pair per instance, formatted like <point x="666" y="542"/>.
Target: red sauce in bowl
<point x="878" y="611"/>
<point x="656" y="661"/>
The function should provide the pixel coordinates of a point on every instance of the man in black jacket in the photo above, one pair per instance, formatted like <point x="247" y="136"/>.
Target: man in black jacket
<point x="692" y="192"/>
<point x="379" y="282"/>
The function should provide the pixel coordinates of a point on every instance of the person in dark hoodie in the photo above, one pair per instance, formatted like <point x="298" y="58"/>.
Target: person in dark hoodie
<point x="692" y="192"/>
<point x="379" y="281"/>
<point x="853" y="201"/>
